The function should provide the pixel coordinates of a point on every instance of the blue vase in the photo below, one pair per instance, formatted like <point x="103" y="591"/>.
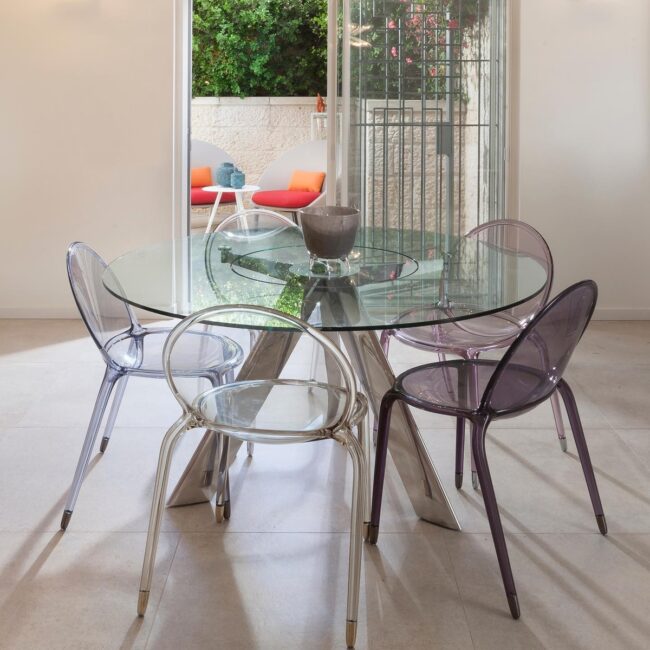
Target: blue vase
<point x="224" y="172"/>
<point x="237" y="179"/>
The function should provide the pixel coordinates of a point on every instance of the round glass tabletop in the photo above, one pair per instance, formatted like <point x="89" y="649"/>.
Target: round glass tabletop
<point x="403" y="281"/>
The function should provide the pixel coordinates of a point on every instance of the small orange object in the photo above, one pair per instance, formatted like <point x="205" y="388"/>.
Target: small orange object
<point x="306" y="181"/>
<point x="200" y="176"/>
<point x="320" y="104"/>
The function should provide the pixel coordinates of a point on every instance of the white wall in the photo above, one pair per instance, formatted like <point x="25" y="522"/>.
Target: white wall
<point x="86" y="138"/>
<point x="584" y="158"/>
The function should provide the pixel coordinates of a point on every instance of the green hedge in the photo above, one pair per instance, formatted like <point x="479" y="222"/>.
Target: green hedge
<point x="253" y="48"/>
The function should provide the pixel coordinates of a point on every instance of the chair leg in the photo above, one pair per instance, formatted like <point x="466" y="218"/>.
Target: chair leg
<point x="583" y="453"/>
<point x="222" y="504"/>
<point x="313" y="366"/>
<point x="108" y="382"/>
<point x="157" y="507"/>
<point x="559" y="424"/>
<point x="364" y="441"/>
<point x="384" y="341"/>
<point x="474" y="391"/>
<point x="492" y="510"/>
<point x="380" y="464"/>
<point x="460" y="451"/>
<point x="112" y="414"/>
<point x="359" y="481"/>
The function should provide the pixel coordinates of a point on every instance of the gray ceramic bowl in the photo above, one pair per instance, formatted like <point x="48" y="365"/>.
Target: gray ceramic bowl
<point x="329" y="231"/>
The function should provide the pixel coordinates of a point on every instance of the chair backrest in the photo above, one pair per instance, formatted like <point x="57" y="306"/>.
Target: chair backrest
<point x="535" y="362"/>
<point x="259" y="318"/>
<point x="254" y="224"/>
<point x="520" y="239"/>
<point x="105" y="315"/>
<point x="308" y="156"/>
<point x="516" y="239"/>
<point x="204" y="154"/>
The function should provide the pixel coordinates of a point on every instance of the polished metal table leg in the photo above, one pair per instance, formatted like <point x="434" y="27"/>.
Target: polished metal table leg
<point x="198" y="483"/>
<point x="405" y="444"/>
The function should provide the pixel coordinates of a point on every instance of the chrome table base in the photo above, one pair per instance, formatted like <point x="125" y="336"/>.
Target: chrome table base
<point x="198" y="482"/>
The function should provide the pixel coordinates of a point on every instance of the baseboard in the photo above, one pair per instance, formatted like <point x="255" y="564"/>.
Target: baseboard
<point x="622" y="314"/>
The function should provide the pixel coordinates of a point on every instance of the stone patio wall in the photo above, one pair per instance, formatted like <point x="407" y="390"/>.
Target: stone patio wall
<point x="255" y="131"/>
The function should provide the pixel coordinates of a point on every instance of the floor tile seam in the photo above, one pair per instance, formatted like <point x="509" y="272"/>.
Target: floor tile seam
<point x="641" y="464"/>
<point x="162" y="591"/>
<point x="458" y="589"/>
<point x="601" y="411"/>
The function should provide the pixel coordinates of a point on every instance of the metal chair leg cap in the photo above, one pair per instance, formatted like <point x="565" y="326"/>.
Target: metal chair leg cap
<point x="103" y="444"/>
<point x="459" y="481"/>
<point x="143" y="601"/>
<point x="602" y="524"/>
<point x="475" y="480"/>
<point x="65" y="520"/>
<point x="226" y="510"/>
<point x="563" y="444"/>
<point x="350" y="633"/>
<point x="373" y="534"/>
<point x="513" y="602"/>
<point x="219" y="513"/>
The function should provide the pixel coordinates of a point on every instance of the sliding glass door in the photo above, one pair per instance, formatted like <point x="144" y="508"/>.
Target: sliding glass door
<point x="422" y="104"/>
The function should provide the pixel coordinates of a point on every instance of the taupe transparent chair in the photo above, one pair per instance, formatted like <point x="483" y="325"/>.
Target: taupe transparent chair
<point x="129" y="349"/>
<point x="469" y="338"/>
<point x="256" y="411"/>
<point x="252" y="225"/>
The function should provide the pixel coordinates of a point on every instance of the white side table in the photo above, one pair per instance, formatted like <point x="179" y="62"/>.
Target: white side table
<point x="220" y="189"/>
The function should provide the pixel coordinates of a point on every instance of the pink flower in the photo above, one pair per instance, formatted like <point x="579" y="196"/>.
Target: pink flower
<point x="452" y="24"/>
<point x="393" y="51"/>
<point x="442" y="40"/>
<point x="393" y="275"/>
<point x="392" y="24"/>
<point x="432" y="21"/>
<point x="433" y="71"/>
<point x="409" y="59"/>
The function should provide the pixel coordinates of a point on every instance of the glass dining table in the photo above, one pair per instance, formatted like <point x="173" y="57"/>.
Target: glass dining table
<point x="391" y="280"/>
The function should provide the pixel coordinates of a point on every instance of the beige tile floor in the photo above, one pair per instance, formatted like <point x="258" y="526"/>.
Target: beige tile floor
<point x="274" y="576"/>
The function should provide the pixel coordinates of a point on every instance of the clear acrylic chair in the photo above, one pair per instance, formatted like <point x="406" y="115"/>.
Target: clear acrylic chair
<point x="469" y="338"/>
<point x="129" y="349"/>
<point x="256" y="411"/>
<point x="482" y="391"/>
<point x="252" y="225"/>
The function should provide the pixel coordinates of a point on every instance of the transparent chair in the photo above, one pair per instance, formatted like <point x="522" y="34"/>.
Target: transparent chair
<point x="468" y="338"/>
<point x="129" y="349"/>
<point x="256" y="411"/>
<point x="481" y="391"/>
<point x="255" y="224"/>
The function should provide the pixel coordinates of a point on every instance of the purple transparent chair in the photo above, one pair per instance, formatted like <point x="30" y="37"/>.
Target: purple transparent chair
<point x="481" y="391"/>
<point x="129" y="349"/>
<point x="469" y="338"/>
<point x="267" y="410"/>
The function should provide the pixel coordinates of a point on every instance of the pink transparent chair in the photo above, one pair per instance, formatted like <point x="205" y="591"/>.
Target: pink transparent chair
<point x="482" y="391"/>
<point x="271" y="411"/>
<point x="129" y="349"/>
<point x="468" y="338"/>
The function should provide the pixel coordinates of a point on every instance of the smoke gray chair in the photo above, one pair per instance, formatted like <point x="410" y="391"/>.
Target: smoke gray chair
<point x="529" y="373"/>
<point x="256" y="411"/>
<point x="129" y="349"/>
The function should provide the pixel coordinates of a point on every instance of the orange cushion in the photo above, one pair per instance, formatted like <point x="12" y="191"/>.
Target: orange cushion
<point x="200" y="176"/>
<point x="287" y="199"/>
<point x="201" y="197"/>
<point x="306" y="181"/>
